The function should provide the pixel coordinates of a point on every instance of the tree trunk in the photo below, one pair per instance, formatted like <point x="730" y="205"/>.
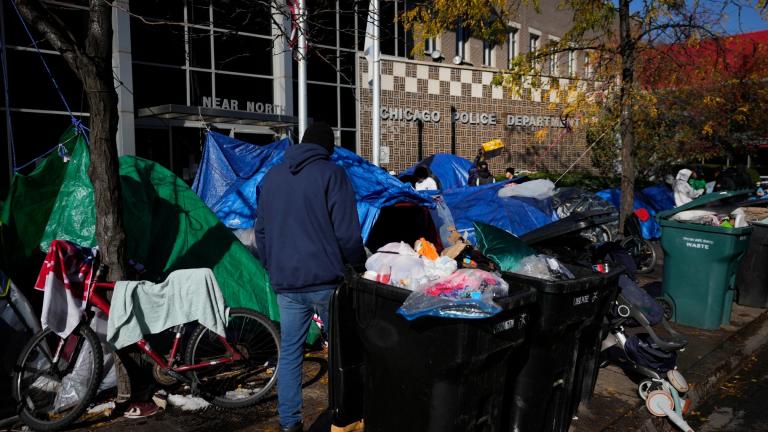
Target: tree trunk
<point x="96" y="75"/>
<point x="92" y="64"/>
<point x="626" y="126"/>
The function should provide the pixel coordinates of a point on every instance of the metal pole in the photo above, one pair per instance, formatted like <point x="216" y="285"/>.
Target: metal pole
<point x="420" y="126"/>
<point x="376" y="108"/>
<point x="302" y="18"/>
<point x="453" y="130"/>
<point x="6" y="97"/>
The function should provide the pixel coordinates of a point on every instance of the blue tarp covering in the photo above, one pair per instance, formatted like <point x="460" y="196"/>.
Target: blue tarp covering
<point x="231" y="171"/>
<point x="229" y="175"/>
<point x="650" y="229"/>
<point x="481" y="203"/>
<point x="660" y="197"/>
<point x="452" y="171"/>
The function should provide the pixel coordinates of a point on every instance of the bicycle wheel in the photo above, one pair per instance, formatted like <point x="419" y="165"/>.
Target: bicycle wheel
<point x="56" y="379"/>
<point x="243" y="383"/>
<point x="642" y="252"/>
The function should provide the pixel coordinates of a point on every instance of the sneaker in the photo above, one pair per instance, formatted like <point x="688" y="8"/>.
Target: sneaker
<point x="140" y="410"/>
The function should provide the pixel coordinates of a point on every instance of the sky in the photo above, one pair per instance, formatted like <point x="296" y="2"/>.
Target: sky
<point x="749" y="21"/>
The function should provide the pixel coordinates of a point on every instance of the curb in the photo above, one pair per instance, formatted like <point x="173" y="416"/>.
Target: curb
<point x="707" y="374"/>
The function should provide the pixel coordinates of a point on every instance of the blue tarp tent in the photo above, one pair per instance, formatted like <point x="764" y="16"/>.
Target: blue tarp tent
<point x="650" y="228"/>
<point x="660" y="197"/>
<point x="481" y="203"/>
<point x="229" y="174"/>
<point x="231" y="171"/>
<point x="452" y="171"/>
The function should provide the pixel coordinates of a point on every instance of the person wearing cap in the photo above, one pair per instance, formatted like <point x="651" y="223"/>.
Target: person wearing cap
<point x="483" y="175"/>
<point x="307" y="230"/>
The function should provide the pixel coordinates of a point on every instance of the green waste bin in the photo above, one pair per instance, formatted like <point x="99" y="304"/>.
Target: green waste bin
<point x="700" y="262"/>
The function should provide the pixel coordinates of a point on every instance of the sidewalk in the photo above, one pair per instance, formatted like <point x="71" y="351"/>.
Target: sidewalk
<point x="708" y="360"/>
<point x="711" y="356"/>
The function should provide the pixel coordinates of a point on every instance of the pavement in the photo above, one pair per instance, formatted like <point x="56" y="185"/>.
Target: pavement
<point x="710" y="360"/>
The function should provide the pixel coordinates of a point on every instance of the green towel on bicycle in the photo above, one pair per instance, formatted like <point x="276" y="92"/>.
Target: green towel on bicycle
<point x="140" y="307"/>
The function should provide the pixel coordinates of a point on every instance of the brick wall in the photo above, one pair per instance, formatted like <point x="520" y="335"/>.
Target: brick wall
<point x="425" y="86"/>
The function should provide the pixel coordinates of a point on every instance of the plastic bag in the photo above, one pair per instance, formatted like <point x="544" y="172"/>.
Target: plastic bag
<point x="543" y="267"/>
<point x="466" y="293"/>
<point x="439" y="268"/>
<point x="538" y="189"/>
<point x="403" y="265"/>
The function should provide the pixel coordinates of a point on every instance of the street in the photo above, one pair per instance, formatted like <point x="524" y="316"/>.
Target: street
<point x="739" y="405"/>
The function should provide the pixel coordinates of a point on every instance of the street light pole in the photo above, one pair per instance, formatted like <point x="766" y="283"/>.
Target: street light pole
<point x="302" y="18"/>
<point x="376" y="96"/>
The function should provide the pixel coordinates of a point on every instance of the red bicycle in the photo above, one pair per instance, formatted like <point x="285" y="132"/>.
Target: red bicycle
<point x="57" y="379"/>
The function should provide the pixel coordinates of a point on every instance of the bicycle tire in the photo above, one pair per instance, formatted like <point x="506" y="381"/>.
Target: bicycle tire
<point x="27" y="386"/>
<point x="260" y="355"/>
<point x="642" y="253"/>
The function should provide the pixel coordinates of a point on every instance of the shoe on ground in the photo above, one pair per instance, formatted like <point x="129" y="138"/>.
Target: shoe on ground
<point x="298" y="427"/>
<point x="141" y="410"/>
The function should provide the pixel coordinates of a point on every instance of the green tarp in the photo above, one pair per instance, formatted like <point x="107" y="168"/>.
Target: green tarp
<point x="167" y="226"/>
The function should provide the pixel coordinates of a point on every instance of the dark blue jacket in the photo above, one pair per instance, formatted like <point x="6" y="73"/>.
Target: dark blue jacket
<point x="307" y="226"/>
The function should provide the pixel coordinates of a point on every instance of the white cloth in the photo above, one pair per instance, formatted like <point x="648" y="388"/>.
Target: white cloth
<point x="426" y="184"/>
<point x="141" y="307"/>
<point x="684" y="193"/>
<point x="538" y="189"/>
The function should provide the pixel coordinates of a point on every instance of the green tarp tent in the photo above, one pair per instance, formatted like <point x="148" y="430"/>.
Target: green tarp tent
<point x="167" y="226"/>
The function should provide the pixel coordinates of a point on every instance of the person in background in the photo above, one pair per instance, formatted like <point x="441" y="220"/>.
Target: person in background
<point x="484" y="176"/>
<point x="683" y="191"/>
<point x="307" y="229"/>
<point x="472" y="178"/>
<point x="423" y="180"/>
<point x="509" y="173"/>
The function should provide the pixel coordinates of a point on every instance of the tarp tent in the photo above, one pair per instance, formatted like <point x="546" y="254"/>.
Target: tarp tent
<point x="167" y="225"/>
<point x="650" y="228"/>
<point x="659" y="196"/>
<point x="452" y="171"/>
<point x="482" y="204"/>
<point x="235" y="201"/>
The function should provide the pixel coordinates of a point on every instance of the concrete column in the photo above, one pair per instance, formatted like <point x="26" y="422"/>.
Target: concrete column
<point x="122" y="65"/>
<point x="282" y="58"/>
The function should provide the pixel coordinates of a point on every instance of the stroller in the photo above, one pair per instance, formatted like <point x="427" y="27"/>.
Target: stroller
<point x="644" y="353"/>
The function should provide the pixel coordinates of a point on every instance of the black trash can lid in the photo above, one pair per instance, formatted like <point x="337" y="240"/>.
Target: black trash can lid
<point x="567" y="225"/>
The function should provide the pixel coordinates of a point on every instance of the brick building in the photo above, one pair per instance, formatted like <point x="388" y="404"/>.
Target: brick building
<point x="226" y="65"/>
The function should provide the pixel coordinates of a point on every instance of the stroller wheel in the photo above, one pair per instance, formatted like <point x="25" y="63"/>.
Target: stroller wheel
<point x="667" y="306"/>
<point x="644" y="388"/>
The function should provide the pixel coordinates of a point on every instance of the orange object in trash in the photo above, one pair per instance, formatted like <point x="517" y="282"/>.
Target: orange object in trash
<point x="426" y="249"/>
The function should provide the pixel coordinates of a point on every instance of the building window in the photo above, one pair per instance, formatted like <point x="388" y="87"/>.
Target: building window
<point x="533" y="43"/>
<point x="461" y="42"/>
<point x="587" y="66"/>
<point x="533" y="46"/>
<point x="430" y="45"/>
<point x="487" y="54"/>
<point x="571" y="63"/>
<point x="552" y="58"/>
<point x="512" y="49"/>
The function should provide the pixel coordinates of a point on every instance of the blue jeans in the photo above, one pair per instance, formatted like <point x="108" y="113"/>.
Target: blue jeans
<point x="296" y="310"/>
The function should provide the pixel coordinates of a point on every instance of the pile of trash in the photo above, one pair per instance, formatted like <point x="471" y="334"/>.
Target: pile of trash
<point x="723" y="217"/>
<point x="461" y="281"/>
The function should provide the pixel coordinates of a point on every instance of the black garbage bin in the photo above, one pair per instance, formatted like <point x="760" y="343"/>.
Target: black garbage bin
<point x="427" y="375"/>
<point x="565" y="338"/>
<point x="752" y="276"/>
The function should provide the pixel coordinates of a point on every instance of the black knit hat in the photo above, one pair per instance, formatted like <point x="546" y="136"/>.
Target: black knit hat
<point x="321" y="134"/>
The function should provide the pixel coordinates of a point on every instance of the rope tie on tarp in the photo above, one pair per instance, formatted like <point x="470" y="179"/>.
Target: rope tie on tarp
<point x="80" y="128"/>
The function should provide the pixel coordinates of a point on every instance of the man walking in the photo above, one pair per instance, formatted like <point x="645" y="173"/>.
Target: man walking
<point x="307" y="229"/>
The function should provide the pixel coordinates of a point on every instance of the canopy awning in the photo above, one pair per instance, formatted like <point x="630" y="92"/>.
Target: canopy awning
<point x="216" y="115"/>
